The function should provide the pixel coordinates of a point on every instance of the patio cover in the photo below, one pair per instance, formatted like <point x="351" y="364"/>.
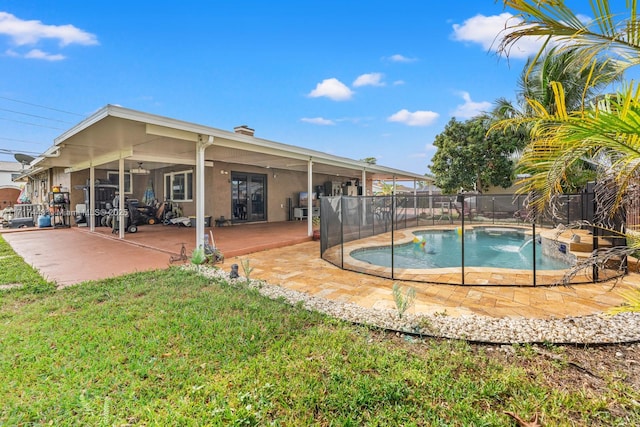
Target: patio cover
<point x="119" y="138"/>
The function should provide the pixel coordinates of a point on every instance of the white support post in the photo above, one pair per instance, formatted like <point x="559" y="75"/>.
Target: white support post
<point x="92" y="198"/>
<point x="122" y="218"/>
<point x="204" y="141"/>
<point x="310" y="198"/>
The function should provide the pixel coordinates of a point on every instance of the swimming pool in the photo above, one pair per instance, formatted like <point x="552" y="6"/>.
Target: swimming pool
<point x="483" y="247"/>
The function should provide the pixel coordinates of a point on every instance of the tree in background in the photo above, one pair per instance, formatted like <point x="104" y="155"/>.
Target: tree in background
<point x="469" y="159"/>
<point x="370" y="160"/>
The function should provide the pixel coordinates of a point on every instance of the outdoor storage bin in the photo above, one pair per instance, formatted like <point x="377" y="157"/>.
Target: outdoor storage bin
<point x="207" y="221"/>
<point x="44" y="221"/>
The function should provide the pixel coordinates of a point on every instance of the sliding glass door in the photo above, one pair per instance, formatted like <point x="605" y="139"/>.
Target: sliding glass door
<point x="248" y="197"/>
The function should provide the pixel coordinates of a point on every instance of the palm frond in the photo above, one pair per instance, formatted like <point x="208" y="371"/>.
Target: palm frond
<point x="614" y="36"/>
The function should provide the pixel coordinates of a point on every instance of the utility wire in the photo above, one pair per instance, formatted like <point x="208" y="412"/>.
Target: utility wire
<point x="22" y="140"/>
<point x="31" y="124"/>
<point x="5" y="151"/>
<point x="34" y="115"/>
<point x="41" y="106"/>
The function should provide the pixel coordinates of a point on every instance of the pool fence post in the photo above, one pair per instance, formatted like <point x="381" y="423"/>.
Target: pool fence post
<point x="341" y="232"/>
<point x="533" y="226"/>
<point x="360" y="216"/>
<point x="462" y="237"/>
<point x="433" y="215"/>
<point x="595" y="248"/>
<point x="393" y="214"/>
<point x="493" y="210"/>
<point x="461" y="200"/>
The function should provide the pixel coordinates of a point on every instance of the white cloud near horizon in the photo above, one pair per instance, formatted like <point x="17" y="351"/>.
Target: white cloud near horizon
<point x="488" y="31"/>
<point x="318" y="121"/>
<point x="401" y="58"/>
<point x="416" y="118"/>
<point x="370" y="79"/>
<point x="38" y="54"/>
<point x="470" y="108"/>
<point x="333" y="89"/>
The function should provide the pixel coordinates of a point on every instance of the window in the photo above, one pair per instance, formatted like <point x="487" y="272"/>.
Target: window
<point x="178" y="186"/>
<point x="112" y="177"/>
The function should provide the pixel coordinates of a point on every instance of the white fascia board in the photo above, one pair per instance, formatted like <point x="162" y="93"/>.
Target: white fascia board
<point x="399" y="174"/>
<point x="168" y="132"/>
<point x="28" y="173"/>
<point x="94" y="118"/>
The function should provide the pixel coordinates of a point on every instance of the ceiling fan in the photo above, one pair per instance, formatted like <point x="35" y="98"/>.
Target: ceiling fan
<point x="140" y="170"/>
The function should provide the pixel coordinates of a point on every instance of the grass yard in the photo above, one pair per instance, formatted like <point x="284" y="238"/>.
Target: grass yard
<point x="172" y="348"/>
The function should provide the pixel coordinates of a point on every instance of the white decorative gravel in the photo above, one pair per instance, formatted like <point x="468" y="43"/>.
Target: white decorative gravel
<point x="593" y="329"/>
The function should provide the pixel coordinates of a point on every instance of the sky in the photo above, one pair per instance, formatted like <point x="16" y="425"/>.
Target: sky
<point x="350" y="78"/>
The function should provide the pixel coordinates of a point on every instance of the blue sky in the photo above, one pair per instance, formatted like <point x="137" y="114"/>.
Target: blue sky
<point x="351" y="78"/>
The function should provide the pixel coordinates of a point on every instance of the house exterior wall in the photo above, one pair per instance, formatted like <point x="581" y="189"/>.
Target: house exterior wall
<point x="7" y="171"/>
<point x="282" y="185"/>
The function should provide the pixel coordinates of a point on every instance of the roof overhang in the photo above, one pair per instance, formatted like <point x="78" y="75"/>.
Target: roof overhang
<point x="115" y="132"/>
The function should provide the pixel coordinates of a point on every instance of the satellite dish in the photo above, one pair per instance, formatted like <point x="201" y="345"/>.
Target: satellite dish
<point x="23" y="158"/>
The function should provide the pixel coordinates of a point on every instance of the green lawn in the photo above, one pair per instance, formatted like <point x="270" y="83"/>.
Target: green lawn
<point x="172" y="348"/>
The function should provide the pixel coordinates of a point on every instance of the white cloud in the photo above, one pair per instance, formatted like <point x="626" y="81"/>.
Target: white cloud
<point x="417" y="118"/>
<point x="401" y="58"/>
<point x="470" y="108"/>
<point x="31" y="32"/>
<point x="318" y="121"/>
<point x="370" y="79"/>
<point x="38" y="54"/>
<point x="488" y="31"/>
<point x="333" y="89"/>
<point x="398" y="82"/>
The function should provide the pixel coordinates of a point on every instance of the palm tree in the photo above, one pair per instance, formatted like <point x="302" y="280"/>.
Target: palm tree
<point x="606" y="133"/>
<point x="606" y="46"/>
<point x="535" y="83"/>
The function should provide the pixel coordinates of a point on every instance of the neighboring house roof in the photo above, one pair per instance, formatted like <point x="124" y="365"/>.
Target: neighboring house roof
<point x="115" y="132"/>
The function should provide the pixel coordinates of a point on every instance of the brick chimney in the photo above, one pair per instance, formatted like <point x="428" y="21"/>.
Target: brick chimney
<point x="244" y="130"/>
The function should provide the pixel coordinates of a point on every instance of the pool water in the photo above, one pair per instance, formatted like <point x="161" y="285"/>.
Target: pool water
<point x="503" y="248"/>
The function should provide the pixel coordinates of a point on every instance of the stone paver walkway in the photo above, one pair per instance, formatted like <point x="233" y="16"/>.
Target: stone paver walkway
<point x="300" y="268"/>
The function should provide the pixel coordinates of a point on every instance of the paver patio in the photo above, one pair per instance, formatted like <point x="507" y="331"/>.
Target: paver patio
<point x="283" y="255"/>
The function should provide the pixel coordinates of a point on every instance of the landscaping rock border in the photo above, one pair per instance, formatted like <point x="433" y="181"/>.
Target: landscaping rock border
<point x="593" y="329"/>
